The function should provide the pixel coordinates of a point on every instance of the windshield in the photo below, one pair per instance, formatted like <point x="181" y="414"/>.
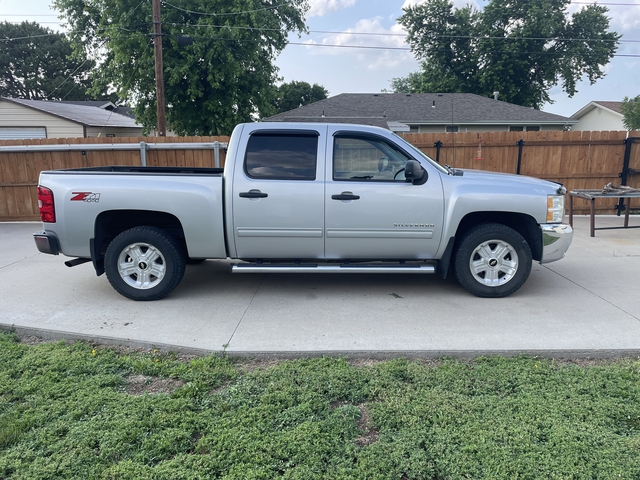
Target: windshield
<point x="420" y="153"/>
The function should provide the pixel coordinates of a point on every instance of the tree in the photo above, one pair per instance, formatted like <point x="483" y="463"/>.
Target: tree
<point x="631" y="110"/>
<point x="38" y="64"/>
<point x="520" y="48"/>
<point x="223" y="78"/>
<point x="296" y="94"/>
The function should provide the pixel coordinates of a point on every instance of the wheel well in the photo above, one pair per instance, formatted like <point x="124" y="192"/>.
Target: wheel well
<point x="112" y="223"/>
<point x="524" y="224"/>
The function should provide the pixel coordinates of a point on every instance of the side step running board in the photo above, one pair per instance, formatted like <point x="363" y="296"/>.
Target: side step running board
<point x="293" y="268"/>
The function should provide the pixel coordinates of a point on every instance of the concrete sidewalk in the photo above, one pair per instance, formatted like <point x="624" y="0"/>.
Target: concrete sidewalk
<point x="584" y="305"/>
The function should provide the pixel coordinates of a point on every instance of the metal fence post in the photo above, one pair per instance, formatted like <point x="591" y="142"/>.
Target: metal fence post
<point x="143" y="154"/>
<point x="626" y="171"/>
<point x="438" y="146"/>
<point x="216" y="153"/>
<point x="520" y="144"/>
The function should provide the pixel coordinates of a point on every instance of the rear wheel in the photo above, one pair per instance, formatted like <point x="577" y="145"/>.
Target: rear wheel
<point x="492" y="260"/>
<point x="144" y="263"/>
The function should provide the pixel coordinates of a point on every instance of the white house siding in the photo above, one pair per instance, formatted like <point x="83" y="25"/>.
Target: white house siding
<point x="109" y="131"/>
<point x="599" y="119"/>
<point x="13" y="115"/>
<point x="482" y="128"/>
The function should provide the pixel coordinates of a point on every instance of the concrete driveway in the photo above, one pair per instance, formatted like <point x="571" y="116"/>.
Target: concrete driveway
<point x="587" y="304"/>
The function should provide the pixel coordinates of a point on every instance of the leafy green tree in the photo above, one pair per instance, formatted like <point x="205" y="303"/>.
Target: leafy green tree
<point x="296" y="94"/>
<point x="520" y="48"/>
<point x="631" y="110"/>
<point x="223" y="77"/>
<point x="38" y="64"/>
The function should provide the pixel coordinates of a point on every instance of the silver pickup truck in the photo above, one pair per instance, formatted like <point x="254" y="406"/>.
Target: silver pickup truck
<point x="304" y="198"/>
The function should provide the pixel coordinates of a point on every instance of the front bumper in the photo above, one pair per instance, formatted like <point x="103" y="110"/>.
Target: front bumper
<point x="47" y="243"/>
<point x="556" y="239"/>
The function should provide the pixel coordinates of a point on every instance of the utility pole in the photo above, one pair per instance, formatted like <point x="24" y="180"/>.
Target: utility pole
<point x="157" y="49"/>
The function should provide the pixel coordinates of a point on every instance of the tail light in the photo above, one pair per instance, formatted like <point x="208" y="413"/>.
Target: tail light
<point x="46" y="205"/>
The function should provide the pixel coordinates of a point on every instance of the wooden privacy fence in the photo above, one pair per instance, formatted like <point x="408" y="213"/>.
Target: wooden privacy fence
<point x="579" y="160"/>
<point x="19" y="170"/>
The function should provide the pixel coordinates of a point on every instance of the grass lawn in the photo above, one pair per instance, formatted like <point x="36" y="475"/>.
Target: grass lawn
<point x="83" y="411"/>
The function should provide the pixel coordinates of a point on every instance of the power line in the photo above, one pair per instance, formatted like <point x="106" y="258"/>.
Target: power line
<point x="469" y="37"/>
<point x="101" y="30"/>
<point x="224" y="13"/>
<point x="363" y="46"/>
<point x="461" y="37"/>
<point x="39" y="23"/>
<point x="329" y="32"/>
<point x="382" y="47"/>
<point x="606" y="4"/>
<point x="405" y="49"/>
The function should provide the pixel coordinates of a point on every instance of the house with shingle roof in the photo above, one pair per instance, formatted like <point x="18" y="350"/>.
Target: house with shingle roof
<point x="104" y="104"/>
<point x="426" y="113"/>
<point x="599" y="116"/>
<point x="23" y="119"/>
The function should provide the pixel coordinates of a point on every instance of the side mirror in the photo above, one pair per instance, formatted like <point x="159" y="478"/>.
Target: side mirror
<point x="415" y="173"/>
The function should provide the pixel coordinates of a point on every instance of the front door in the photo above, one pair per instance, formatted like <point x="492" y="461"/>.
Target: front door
<point x="371" y="211"/>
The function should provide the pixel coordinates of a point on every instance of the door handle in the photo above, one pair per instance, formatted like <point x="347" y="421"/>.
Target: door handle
<point x="345" y="196"/>
<point x="253" y="194"/>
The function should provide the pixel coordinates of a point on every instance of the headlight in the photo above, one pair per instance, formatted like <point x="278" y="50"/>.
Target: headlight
<point x="555" y="208"/>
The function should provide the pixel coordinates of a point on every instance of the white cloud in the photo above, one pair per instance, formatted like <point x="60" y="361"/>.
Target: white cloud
<point x="319" y="8"/>
<point x="373" y="37"/>
<point x="623" y="17"/>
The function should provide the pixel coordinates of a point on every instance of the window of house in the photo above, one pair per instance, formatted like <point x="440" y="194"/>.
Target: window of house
<point x="363" y="157"/>
<point x="523" y="129"/>
<point x="22" y="133"/>
<point x="282" y="156"/>
<point x="452" y="129"/>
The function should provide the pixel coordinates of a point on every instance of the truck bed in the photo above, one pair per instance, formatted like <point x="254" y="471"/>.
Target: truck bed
<point x="125" y="169"/>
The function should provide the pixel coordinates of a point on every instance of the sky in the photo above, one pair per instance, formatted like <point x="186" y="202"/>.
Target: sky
<point x="326" y="55"/>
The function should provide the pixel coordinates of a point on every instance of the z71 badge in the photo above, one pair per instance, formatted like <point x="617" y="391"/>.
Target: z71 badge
<point x="88" y="197"/>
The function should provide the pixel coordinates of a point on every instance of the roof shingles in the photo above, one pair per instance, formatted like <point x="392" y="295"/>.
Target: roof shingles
<point x="417" y="108"/>
<point x="90" y="116"/>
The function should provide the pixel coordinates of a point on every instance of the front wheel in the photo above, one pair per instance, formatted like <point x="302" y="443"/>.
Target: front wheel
<point x="492" y="260"/>
<point x="144" y="263"/>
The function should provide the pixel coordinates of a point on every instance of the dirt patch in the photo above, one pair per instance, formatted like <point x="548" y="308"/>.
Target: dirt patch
<point x="364" y="362"/>
<point x="584" y="362"/>
<point x="372" y="362"/>
<point x="140" y="384"/>
<point x="368" y="432"/>
<point x="33" y="340"/>
<point x="248" y="365"/>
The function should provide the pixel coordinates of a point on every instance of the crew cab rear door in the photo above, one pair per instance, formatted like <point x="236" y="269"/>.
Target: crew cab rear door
<point x="278" y="193"/>
<point x="371" y="211"/>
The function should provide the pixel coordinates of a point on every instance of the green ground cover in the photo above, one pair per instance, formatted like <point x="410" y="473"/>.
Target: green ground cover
<point x="83" y="411"/>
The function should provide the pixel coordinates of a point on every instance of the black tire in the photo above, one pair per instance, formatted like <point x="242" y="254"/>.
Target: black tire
<point x="492" y="260"/>
<point x="144" y="263"/>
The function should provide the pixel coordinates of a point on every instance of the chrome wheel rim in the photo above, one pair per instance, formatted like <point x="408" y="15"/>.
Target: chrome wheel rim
<point x="141" y="266"/>
<point x="493" y="263"/>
